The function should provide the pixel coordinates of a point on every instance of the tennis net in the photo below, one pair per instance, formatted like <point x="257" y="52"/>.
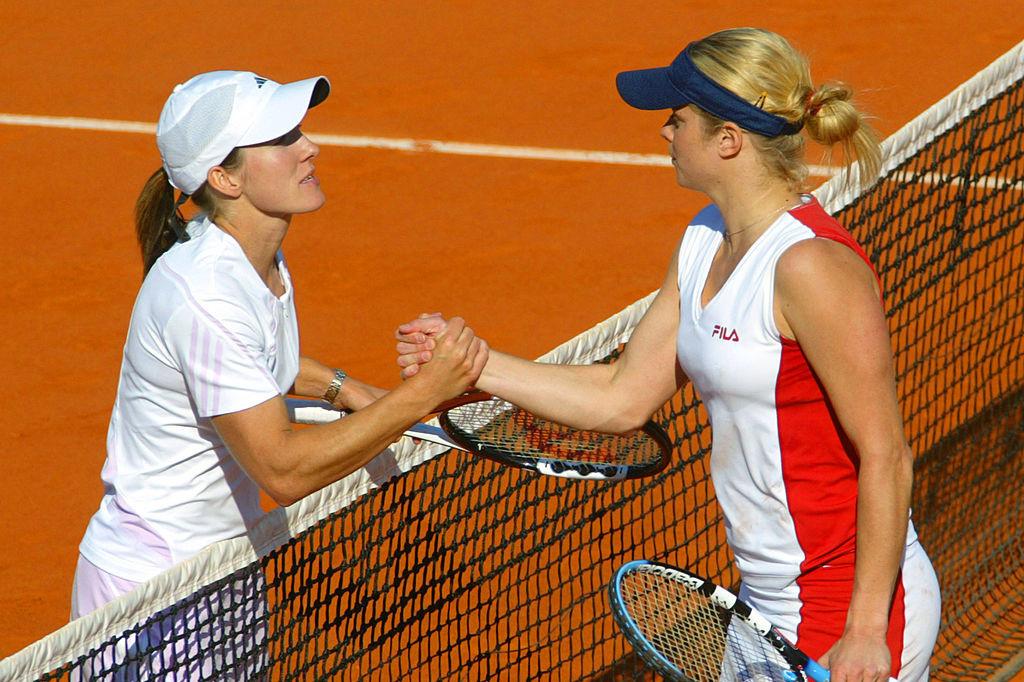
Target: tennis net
<point x="431" y="564"/>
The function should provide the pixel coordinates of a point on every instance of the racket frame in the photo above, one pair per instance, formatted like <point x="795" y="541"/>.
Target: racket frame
<point x="554" y="466"/>
<point x="800" y="663"/>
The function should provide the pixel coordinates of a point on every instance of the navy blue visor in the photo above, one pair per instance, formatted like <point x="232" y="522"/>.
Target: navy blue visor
<point x="681" y="83"/>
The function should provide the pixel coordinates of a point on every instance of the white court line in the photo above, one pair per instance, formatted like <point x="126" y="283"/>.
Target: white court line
<point x="391" y="143"/>
<point x="457" y="148"/>
<point x="73" y="123"/>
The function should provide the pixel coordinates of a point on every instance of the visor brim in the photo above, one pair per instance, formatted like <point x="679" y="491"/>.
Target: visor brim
<point x="649" y="89"/>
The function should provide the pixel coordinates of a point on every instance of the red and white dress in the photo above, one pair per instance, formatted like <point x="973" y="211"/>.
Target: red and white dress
<point x="785" y="473"/>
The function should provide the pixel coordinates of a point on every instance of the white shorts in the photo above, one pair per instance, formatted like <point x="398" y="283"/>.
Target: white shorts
<point x="94" y="587"/>
<point x="187" y="641"/>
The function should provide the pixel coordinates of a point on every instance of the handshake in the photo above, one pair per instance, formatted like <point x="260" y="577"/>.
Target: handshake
<point x="445" y="356"/>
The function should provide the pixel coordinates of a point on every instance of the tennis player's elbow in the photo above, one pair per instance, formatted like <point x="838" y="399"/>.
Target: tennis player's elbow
<point x="283" y="480"/>
<point x="629" y="401"/>
<point x="289" y="479"/>
<point x="635" y="412"/>
<point x="289" y="489"/>
<point x="285" y="489"/>
<point x="905" y="465"/>
<point x="902" y="461"/>
<point x="894" y="463"/>
<point x="624" y="419"/>
<point x="282" y="496"/>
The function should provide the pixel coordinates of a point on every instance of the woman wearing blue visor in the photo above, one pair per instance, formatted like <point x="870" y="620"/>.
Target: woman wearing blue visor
<point x="773" y="311"/>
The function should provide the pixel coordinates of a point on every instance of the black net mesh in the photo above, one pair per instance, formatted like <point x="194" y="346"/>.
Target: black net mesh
<point x="463" y="569"/>
<point x="944" y="230"/>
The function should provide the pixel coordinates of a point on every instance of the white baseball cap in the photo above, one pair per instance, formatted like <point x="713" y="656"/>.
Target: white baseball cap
<point x="211" y="114"/>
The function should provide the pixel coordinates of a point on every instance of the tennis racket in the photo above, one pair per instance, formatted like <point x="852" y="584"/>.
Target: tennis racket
<point x="691" y="630"/>
<point x="498" y="430"/>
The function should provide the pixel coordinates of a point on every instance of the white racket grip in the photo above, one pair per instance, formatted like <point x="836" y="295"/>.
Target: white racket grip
<point x="301" y="411"/>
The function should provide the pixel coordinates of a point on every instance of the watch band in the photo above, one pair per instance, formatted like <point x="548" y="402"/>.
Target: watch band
<point x="332" y="389"/>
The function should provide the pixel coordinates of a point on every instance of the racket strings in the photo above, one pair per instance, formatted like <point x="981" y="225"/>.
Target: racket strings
<point x="751" y="658"/>
<point x="685" y="627"/>
<point x="512" y="432"/>
<point x="704" y="641"/>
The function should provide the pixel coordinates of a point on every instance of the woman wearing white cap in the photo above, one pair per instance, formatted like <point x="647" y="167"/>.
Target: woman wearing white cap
<point x="772" y="310"/>
<point x="199" y="423"/>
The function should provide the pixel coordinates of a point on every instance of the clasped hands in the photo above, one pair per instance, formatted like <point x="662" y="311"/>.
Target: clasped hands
<point x="418" y="339"/>
<point x="431" y="346"/>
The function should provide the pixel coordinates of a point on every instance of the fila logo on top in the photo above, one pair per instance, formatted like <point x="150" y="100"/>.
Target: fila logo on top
<point x="724" y="333"/>
<point x="260" y="80"/>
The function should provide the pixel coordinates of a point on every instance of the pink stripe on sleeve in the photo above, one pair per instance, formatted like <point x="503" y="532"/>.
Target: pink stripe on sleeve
<point x="218" y="357"/>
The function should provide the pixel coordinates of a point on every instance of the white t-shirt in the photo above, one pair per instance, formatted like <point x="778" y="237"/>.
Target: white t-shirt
<point x="207" y="337"/>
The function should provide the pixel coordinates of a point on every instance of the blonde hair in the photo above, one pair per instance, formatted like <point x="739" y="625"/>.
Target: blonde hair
<point x="764" y="69"/>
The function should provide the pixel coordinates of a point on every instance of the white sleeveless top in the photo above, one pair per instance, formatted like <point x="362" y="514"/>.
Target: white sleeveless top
<point x="784" y="472"/>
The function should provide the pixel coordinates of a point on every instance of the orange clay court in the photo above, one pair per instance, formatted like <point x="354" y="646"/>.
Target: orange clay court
<point x="530" y="252"/>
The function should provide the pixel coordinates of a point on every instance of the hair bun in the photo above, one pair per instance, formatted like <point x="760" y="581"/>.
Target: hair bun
<point x="812" y="104"/>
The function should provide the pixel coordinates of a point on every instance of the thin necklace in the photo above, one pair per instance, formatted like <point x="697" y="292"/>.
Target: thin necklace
<point x="773" y="215"/>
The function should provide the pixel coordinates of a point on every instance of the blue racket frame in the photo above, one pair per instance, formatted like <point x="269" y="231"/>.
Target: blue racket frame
<point x="802" y="666"/>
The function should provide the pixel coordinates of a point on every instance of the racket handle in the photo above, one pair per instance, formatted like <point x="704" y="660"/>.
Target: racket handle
<point x="816" y="672"/>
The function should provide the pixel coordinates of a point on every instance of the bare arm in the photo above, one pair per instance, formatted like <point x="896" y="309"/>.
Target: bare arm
<point x="826" y="298"/>
<point x="314" y="378"/>
<point x="291" y="463"/>
<point x="616" y="398"/>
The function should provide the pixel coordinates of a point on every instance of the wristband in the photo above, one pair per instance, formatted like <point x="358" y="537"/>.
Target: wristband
<point x="332" y="390"/>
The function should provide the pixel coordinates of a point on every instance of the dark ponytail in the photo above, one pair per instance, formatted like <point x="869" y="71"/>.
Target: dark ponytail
<point x="158" y="220"/>
<point x="158" y="223"/>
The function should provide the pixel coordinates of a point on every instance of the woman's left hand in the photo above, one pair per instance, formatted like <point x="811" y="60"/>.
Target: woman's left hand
<point x="858" y="658"/>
